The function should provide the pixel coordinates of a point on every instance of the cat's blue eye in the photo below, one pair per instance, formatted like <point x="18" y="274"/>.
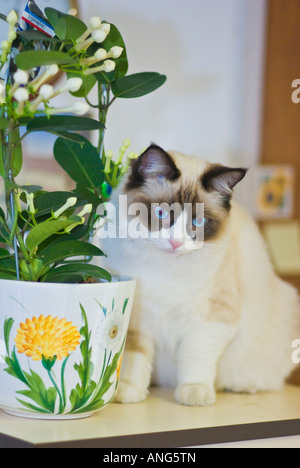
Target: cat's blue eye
<point x="199" y="222"/>
<point x="161" y="213"/>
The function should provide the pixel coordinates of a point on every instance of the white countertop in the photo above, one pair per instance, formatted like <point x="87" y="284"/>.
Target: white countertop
<point x="161" y="422"/>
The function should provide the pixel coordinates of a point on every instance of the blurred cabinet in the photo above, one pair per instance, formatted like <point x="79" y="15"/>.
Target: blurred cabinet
<point x="280" y="139"/>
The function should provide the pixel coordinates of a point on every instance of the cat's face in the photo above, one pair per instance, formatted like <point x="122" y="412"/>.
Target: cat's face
<point x="181" y="201"/>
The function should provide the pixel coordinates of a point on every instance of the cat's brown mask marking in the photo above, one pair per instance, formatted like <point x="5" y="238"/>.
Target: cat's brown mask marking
<point x="159" y="177"/>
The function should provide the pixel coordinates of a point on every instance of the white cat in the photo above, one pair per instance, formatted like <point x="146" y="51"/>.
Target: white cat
<point x="207" y="316"/>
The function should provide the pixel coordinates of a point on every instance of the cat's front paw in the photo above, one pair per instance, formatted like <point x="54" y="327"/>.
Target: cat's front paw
<point x="129" y="393"/>
<point x="195" y="395"/>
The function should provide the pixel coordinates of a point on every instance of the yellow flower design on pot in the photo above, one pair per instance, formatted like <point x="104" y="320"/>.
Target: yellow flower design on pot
<point x="47" y="338"/>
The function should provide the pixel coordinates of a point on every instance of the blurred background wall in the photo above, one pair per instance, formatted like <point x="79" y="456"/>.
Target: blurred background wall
<point x="212" y="53"/>
<point x="231" y="67"/>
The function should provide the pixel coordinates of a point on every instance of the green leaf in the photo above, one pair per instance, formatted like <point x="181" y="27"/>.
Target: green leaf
<point x="81" y="163"/>
<point x="4" y="253"/>
<point x="8" y="275"/>
<point x="52" y="201"/>
<point x="70" y="136"/>
<point x="17" y="154"/>
<point x="42" y="231"/>
<point x="14" y="367"/>
<point x="7" y="329"/>
<point x="37" y="392"/>
<point x="33" y="35"/>
<point x="57" y="123"/>
<point x="125" y="305"/>
<point x="3" y="123"/>
<point x="68" y="249"/>
<point x="137" y="85"/>
<point x="35" y="409"/>
<point x="81" y="394"/>
<point x="38" y="58"/>
<point x="2" y="166"/>
<point x="65" y="26"/>
<point x="88" y="194"/>
<point x="76" y="270"/>
<point x="8" y="264"/>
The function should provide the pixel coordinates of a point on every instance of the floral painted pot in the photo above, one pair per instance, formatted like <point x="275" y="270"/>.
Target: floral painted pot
<point x="61" y="346"/>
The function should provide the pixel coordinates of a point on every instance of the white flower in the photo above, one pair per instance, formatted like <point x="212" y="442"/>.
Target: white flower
<point x="46" y="92"/>
<point x="50" y="71"/>
<point x="69" y="203"/>
<point x="99" y="35"/>
<point x="108" y="66"/>
<point x="73" y="85"/>
<point x="30" y="203"/>
<point x="21" y="95"/>
<point x="2" y="351"/>
<point x="12" y="18"/>
<point x="78" y="108"/>
<point x="100" y="54"/>
<point x="12" y="35"/>
<point x="86" y="209"/>
<point x="21" y="77"/>
<point x="95" y="22"/>
<point x="115" y="52"/>
<point x="110" y="331"/>
<point x="5" y="49"/>
<point x="106" y="28"/>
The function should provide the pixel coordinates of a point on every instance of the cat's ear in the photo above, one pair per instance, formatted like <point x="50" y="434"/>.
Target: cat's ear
<point x="153" y="163"/>
<point x="222" y="179"/>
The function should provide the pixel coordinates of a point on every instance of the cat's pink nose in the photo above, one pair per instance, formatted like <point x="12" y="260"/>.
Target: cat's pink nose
<point x="175" y="244"/>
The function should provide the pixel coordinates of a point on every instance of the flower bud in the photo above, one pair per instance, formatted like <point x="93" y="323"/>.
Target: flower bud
<point x="115" y="52"/>
<point x="108" y="158"/>
<point x="46" y="92"/>
<point x="12" y="18"/>
<point x="12" y="35"/>
<point x="6" y="47"/>
<point x="50" y="71"/>
<point x="95" y="22"/>
<point x="100" y="54"/>
<point x="69" y="203"/>
<point x="74" y="84"/>
<point x="86" y="209"/>
<point x="80" y="108"/>
<point x="109" y="66"/>
<point x="99" y="35"/>
<point x="29" y="198"/>
<point x="106" y="28"/>
<point x="21" y="77"/>
<point x="21" y="95"/>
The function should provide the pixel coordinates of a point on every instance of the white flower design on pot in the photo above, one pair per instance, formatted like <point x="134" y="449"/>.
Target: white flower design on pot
<point x="111" y="330"/>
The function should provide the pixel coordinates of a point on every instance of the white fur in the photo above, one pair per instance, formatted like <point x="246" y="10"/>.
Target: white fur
<point x="218" y="317"/>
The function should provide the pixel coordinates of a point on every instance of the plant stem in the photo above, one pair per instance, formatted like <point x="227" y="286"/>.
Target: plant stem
<point x="61" y="405"/>
<point x="63" y="387"/>
<point x="103" y="100"/>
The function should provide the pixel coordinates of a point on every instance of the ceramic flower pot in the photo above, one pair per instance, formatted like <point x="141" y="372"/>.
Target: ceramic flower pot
<point x="61" y="346"/>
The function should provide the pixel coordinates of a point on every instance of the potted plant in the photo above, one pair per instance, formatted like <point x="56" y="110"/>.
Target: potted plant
<point x="63" y="320"/>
